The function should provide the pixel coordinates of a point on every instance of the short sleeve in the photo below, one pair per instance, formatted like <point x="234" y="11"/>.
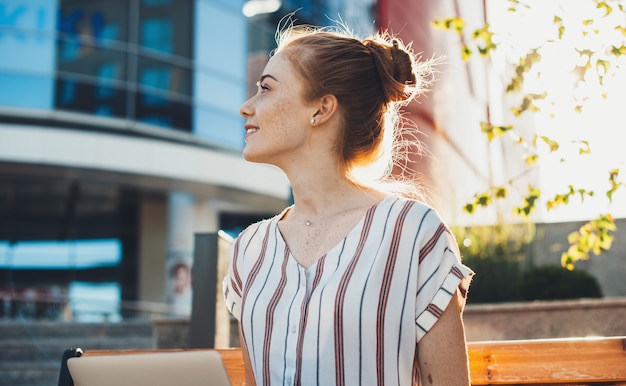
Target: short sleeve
<point x="232" y="283"/>
<point x="440" y="275"/>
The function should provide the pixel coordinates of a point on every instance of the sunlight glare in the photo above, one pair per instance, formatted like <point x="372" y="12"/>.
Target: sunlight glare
<point x="600" y="103"/>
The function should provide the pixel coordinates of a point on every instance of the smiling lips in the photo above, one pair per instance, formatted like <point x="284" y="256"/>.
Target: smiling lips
<point x="251" y="129"/>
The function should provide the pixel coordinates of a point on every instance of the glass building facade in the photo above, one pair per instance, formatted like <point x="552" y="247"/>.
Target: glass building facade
<point x="106" y="66"/>
<point x="161" y="62"/>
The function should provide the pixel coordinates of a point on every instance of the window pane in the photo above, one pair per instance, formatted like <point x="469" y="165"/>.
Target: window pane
<point x="93" y="22"/>
<point x="165" y="26"/>
<point x="94" y="62"/>
<point x="99" y="99"/>
<point x="92" y="45"/>
<point x="157" y="109"/>
<point x="157" y="34"/>
<point x="161" y="75"/>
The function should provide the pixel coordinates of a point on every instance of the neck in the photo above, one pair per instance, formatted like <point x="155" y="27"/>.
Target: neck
<point x="319" y="199"/>
<point x="321" y="184"/>
<point x="316" y="199"/>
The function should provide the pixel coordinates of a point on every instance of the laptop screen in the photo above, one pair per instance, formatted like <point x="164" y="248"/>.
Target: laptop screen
<point x="189" y="368"/>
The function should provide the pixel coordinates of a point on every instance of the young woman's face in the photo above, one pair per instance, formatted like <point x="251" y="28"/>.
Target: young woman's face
<point x="277" y="117"/>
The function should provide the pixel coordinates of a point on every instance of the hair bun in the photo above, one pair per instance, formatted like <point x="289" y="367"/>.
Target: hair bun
<point x="402" y="65"/>
<point x="396" y="68"/>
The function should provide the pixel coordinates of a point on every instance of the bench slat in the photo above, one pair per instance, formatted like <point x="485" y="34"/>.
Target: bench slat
<point x="549" y="361"/>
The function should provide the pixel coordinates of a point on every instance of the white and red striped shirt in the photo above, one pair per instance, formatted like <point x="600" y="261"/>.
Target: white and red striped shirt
<point x="355" y="316"/>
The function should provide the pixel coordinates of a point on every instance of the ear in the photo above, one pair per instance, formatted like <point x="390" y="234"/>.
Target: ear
<point x="327" y="108"/>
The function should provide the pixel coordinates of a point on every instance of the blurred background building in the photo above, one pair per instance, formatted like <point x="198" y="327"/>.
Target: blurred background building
<point x="120" y="138"/>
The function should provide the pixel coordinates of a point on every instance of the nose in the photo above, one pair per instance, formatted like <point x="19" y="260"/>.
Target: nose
<point x="246" y="109"/>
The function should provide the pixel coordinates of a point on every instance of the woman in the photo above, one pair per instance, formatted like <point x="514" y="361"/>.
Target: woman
<point x="350" y="285"/>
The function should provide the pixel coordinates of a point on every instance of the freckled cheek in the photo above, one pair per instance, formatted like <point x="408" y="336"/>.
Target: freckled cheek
<point x="280" y="118"/>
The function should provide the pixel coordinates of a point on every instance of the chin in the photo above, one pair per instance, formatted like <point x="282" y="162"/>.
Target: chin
<point x="250" y="156"/>
<point x="257" y="158"/>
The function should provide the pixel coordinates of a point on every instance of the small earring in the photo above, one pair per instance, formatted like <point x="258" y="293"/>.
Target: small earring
<point x="312" y="121"/>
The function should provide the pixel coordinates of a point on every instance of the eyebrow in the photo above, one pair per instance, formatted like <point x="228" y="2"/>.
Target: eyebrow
<point x="267" y="76"/>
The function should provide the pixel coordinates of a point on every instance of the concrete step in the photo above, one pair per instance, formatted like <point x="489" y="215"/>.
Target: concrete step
<point x="13" y="350"/>
<point x="31" y="352"/>
<point x="26" y="329"/>
<point x="40" y="373"/>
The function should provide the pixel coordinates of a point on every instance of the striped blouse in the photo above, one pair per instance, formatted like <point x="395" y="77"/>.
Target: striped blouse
<point x="355" y="316"/>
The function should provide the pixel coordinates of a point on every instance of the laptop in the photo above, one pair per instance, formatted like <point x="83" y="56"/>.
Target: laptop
<point x="180" y="368"/>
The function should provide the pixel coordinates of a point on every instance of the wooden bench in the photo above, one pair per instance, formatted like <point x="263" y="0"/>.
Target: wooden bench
<point x="593" y="361"/>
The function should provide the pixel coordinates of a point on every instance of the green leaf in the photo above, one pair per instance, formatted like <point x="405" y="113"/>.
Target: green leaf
<point x="485" y="36"/>
<point x="607" y="8"/>
<point x="615" y="184"/>
<point x="602" y="68"/>
<point x="450" y="23"/>
<point x="501" y="192"/>
<point x="466" y="52"/>
<point x="529" y="202"/>
<point x="583" y="147"/>
<point x="531" y="159"/>
<point x="554" y="145"/>
<point x="618" y="51"/>
<point x="493" y="131"/>
<point x="483" y="199"/>
<point x="528" y="103"/>
<point x="585" y="52"/>
<point x="593" y="237"/>
<point x="564" y="198"/>
<point x="561" y="28"/>
<point x="522" y="68"/>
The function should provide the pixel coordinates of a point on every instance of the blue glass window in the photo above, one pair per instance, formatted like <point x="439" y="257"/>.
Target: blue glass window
<point x="68" y="91"/>
<point x="155" y="77"/>
<point x="157" y="34"/>
<point x="146" y="60"/>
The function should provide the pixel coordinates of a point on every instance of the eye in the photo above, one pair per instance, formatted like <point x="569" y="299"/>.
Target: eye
<point x="262" y="87"/>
